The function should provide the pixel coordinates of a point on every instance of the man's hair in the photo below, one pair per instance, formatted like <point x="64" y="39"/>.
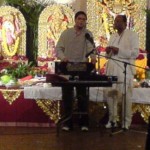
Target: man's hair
<point x="124" y="18"/>
<point x="80" y="13"/>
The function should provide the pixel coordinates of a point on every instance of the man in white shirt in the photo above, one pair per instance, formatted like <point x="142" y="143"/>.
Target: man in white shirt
<point x="122" y="46"/>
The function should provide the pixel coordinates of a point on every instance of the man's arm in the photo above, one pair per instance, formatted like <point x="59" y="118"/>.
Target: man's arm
<point x="60" y="48"/>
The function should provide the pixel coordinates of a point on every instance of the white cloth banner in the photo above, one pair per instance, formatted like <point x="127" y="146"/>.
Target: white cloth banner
<point x="140" y="95"/>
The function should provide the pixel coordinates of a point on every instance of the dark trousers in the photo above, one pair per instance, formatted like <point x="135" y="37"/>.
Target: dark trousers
<point x="82" y="99"/>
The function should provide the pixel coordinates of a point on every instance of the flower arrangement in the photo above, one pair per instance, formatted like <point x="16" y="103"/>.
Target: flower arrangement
<point x="14" y="71"/>
<point x="21" y="70"/>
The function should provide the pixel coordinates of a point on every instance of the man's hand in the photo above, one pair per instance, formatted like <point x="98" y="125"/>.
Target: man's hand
<point x="114" y="50"/>
<point x="65" y="59"/>
<point x="108" y="49"/>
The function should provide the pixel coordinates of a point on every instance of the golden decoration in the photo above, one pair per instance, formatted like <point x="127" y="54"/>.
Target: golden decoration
<point x="101" y="14"/>
<point x="53" y="20"/>
<point x="51" y="108"/>
<point x="19" y="46"/>
<point x="141" y="73"/>
<point x="10" y="95"/>
<point x="144" y="109"/>
<point x="97" y="111"/>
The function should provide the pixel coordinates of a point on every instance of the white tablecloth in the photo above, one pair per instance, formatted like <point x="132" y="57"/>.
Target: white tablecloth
<point x="37" y="92"/>
<point x="140" y="95"/>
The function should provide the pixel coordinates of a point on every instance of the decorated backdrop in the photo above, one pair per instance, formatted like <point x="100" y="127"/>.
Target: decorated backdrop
<point x="12" y="32"/>
<point x="101" y="14"/>
<point x="53" y="20"/>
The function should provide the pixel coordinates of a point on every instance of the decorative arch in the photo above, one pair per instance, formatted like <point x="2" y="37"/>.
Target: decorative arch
<point x="53" y="20"/>
<point x="101" y="14"/>
<point x="12" y="32"/>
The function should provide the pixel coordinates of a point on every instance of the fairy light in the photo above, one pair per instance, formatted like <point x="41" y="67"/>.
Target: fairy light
<point x="47" y="2"/>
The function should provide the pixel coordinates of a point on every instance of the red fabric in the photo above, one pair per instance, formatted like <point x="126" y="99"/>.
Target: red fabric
<point x="26" y="110"/>
<point x="22" y="110"/>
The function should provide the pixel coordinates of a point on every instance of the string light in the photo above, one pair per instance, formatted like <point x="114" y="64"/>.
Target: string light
<point x="47" y="2"/>
<point x="64" y="1"/>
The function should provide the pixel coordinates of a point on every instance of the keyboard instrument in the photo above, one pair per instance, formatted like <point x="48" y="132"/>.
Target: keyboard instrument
<point x="89" y="81"/>
<point x="80" y="73"/>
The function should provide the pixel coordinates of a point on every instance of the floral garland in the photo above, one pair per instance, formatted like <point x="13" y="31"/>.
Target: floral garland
<point x="6" y="47"/>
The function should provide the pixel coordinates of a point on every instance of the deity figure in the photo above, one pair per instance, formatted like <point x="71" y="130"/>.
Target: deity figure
<point x="111" y="9"/>
<point x="57" y="22"/>
<point x="12" y="28"/>
<point x="9" y="33"/>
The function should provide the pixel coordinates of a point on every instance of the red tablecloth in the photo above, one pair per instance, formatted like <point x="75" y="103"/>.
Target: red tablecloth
<point x="22" y="111"/>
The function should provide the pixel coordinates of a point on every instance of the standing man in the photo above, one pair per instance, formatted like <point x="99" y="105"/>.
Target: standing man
<point x="73" y="46"/>
<point x="123" y="46"/>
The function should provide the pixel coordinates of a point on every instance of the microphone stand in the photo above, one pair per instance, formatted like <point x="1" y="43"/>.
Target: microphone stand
<point x="98" y="55"/>
<point x="125" y="92"/>
<point x="90" y="39"/>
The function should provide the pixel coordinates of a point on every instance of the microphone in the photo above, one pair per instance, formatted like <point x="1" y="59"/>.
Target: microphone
<point x="89" y="38"/>
<point x="91" y="52"/>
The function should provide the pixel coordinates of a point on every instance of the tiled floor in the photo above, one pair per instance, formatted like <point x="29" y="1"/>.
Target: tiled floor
<point x="21" y="138"/>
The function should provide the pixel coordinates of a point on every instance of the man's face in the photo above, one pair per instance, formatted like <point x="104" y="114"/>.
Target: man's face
<point x="119" y="24"/>
<point x="80" y="21"/>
